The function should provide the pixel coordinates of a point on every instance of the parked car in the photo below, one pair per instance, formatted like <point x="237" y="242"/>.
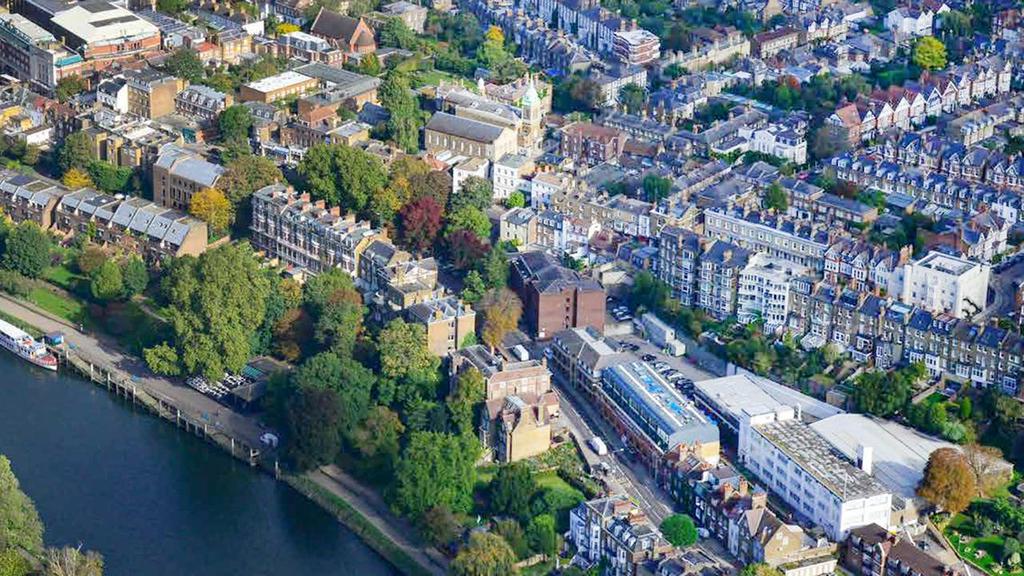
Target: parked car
<point x="648" y="357"/>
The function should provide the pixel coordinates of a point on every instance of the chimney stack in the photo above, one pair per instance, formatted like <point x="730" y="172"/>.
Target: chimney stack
<point x="865" y="456"/>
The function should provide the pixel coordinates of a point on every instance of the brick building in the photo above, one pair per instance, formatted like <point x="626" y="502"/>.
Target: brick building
<point x="554" y="297"/>
<point x="591" y="144"/>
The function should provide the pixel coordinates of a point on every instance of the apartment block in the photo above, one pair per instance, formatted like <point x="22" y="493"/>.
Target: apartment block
<point x="778" y="236"/>
<point x="178" y="174"/>
<point x="202" y="102"/>
<point x="615" y="531"/>
<point x="678" y="254"/>
<point x="764" y="291"/>
<point x="151" y="93"/>
<point x="940" y="282"/>
<point x="448" y="321"/>
<point x="718" y="286"/>
<point x="591" y="144"/>
<point x="307" y="235"/>
<point x="554" y="297"/>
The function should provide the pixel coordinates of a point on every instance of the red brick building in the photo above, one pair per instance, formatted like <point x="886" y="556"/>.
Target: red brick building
<point x="353" y="36"/>
<point x="591" y="144"/>
<point x="554" y="297"/>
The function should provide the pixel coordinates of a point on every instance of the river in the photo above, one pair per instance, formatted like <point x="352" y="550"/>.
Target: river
<point x="153" y="500"/>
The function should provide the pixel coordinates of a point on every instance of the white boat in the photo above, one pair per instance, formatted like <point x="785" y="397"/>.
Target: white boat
<point x="18" y="341"/>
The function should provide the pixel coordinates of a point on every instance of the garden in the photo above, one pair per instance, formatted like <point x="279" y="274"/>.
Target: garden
<point x="989" y="535"/>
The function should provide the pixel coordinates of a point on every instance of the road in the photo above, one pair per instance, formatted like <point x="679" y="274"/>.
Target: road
<point x="1001" y="285"/>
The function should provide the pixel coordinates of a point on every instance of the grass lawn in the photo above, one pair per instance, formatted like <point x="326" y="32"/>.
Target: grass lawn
<point x="62" y="276"/>
<point x="62" y="306"/>
<point x="422" y="78"/>
<point x="550" y="480"/>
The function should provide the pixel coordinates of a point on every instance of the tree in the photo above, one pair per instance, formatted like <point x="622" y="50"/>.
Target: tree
<point x="829" y="140"/>
<point x="648" y="292"/>
<point x="419" y="223"/>
<point x="495" y="268"/>
<point x="370" y="65"/>
<point x="469" y="392"/>
<point x="404" y="122"/>
<point x="185" y="63"/>
<point x="631" y="97"/>
<point x="217" y="302"/>
<point x="439" y="526"/>
<point x="404" y="356"/>
<point x="13" y="564"/>
<point x="656" y="188"/>
<point x="577" y="94"/>
<point x="948" y="481"/>
<point x="107" y="283"/>
<point x="135" y="276"/>
<point x="485" y="555"/>
<point x="501" y="311"/>
<point x="75" y="152"/>
<point x="69" y="561"/>
<point x="396" y="33"/>
<point x="775" y="198"/>
<point x="234" y="124"/>
<point x="469" y="218"/>
<point x="163" y="359"/>
<point x="966" y="408"/>
<point x="76" y="179"/>
<point x="211" y="206"/>
<point x="312" y="421"/>
<point x="542" y="536"/>
<point x="172" y="7"/>
<point x="246" y="174"/>
<point x="342" y="175"/>
<point x="930" y="53"/>
<point x="377" y="439"/>
<point x="878" y="393"/>
<point x="338" y="309"/>
<point x="475" y="192"/>
<point x="110" y="178"/>
<point x="436" y="469"/>
<point x="20" y="526"/>
<point x="988" y="466"/>
<point x="513" y="534"/>
<point x="465" y="248"/>
<point x="351" y="382"/>
<point x="515" y="200"/>
<point x="512" y="489"/>
<point x="679" y="530"/>
<point x="27" y="249"/>
<point x="69" y="87"/>
<point x="287" y="28"/>
<point x="473" y="287"/>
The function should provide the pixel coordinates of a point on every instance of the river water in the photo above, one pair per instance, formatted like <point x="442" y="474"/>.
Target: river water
<point x="152" y="499"/>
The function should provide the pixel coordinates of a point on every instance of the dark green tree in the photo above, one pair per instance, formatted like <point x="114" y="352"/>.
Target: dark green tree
<point x="234" y="124"/>
<point x="775" y="198"/>
<point x="435" y="470"/>
<point x="27" y="249"/>
<point x="679" y="530"/>
<point x="632" y="97"/>
<point x="184" y="63"/>
<point x="20" y="526"/>
<point x="75" y="152"/>
<point x="404" y="122"/>
<point x="512" y="489"/>
<point x="135" y="275"/>
<point x="485" y="555"/>
<point x="656" y="188"/>
<point x="541" y="535"/>
<point x="313" y="419"/>
<point x="107" y="282"/>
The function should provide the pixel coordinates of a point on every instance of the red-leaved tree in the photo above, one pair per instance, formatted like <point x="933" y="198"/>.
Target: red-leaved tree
<point x="419" y="223"/>
<point x="465" y="249"/>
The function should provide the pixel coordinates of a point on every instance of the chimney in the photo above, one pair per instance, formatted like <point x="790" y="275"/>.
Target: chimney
<point x="799" y="412"/>
<point x="727" y="491"/>
<point x="865" y="456"/>
<point x="759" y="500"/>
<point x="744" y="487"/>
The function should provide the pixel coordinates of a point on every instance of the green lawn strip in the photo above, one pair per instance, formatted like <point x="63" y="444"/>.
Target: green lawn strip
<point x="62" y="276"/>
<point x="358" y="524"/>
<point x="58" y="305"/>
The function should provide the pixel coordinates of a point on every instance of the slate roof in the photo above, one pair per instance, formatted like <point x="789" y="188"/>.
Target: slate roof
<point x="464" y="128"/>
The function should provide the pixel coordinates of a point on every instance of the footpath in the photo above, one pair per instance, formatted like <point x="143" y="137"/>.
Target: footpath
<point x="106" y="354"/>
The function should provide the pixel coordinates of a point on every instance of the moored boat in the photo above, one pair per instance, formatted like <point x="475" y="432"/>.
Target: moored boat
<point x="21" y="343"/>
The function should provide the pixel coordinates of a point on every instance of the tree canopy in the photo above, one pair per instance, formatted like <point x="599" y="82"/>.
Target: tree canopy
<point x="930" y="53"/>
<point x="27" y="249"/>
<point x="436" y="469"/>
<point x="20" y="526"/>
<point x="342" y="175"/>
<point x="486" y="555"/>
<point x="948" y="481"/>
<point x="679" y="530"/>
<point x="216" y="301"/>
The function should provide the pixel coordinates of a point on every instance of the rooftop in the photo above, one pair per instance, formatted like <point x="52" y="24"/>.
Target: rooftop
<point x="278" y="81"/>
<point x="464" y="128"/>
<point x="746" y="393"/>
<point x="946" y="263"/>
<point x="812" y="453"/>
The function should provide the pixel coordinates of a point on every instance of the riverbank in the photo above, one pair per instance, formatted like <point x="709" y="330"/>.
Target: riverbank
<point x="105" y="364"/>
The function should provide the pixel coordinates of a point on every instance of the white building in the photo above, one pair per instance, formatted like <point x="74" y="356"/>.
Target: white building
<point x="780" y="142"/>
<point x="764" y="290"/>
<point x="113" y="94"/>
<point x="636" y="47"/>
<point x="544" y="186"/>
<point x="907" y="21"/>
<point x="467" y="168"/>
<point x="943" y="283"/>
<point x="804" y="470"/>
<point x="508" y="175"/>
